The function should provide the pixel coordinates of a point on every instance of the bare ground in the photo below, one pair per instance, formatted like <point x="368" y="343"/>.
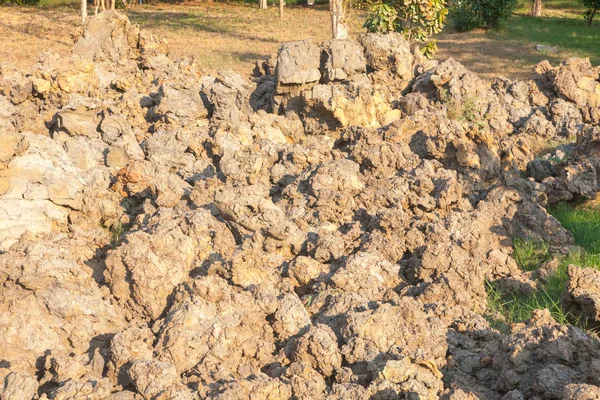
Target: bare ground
<point x="490" y="58"/>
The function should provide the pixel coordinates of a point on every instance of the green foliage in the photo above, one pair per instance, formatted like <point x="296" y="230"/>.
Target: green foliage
<point x="463" y="18"/>
<point x="486" y="14"/>
<point x="592" y="8"/>
<point x="429" y="49"/>
<point x="505" y="308"/>
<point x="493" y="12"/>
<point x="417" y="20"/>
<point x="381" y="19"/>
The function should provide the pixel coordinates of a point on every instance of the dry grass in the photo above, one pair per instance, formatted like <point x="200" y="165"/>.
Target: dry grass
<point x="233" y="36"/>
<point x="219" y="35"/>
<point x="27" y="32"/>
<point x="489" y="58"/>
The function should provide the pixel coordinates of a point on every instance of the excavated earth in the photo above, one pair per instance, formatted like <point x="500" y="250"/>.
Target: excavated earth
<point x="325" y="230"/>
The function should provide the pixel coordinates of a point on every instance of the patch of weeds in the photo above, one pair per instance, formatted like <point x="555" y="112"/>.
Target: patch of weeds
<point x="550" y="150"/>
<point x="530" y="254"/>
<point x="469" y="111"/>
<point x="497" y="312"/>
<point x="309" y="301"/>
<point x="116" y="233"/>
<point x="560" y="158"/>
<point x="463" y="111"/>
<point x="583" y="222"/>
<point x="506" y="308"/>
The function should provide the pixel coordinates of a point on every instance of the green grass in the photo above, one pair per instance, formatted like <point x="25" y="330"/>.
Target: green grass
<point x="530" y="254"/>
<point x="574" y="6"/>
<point x="506" y="309"/>
<point x="584" y="223"/>
<point x="568" y="32"/>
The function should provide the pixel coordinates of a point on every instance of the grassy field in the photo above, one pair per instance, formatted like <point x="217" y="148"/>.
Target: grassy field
<point x="234" y="35"/>
<point x="584" y="222"/>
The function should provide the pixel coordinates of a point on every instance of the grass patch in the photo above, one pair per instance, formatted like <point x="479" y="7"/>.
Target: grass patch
<point x="506" y="308"/>
<point x="584" y="223"/>
<point x="551" y="7"/>
<point x="568" y="32"/>
<point x="530" y="254"/>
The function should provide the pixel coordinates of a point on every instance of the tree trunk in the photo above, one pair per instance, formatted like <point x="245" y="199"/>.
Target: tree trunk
<point x="112" y="4"/>
<point x="592" y="15"/>
<point x="83" y="13"/>
<point x="263" y="4"/>
<point x="338" y="22"/>
<point x="536" y="8"/>
<point x="310" y="2"/>
<point x="102" y="5"/>
<point x="281" y="4"/>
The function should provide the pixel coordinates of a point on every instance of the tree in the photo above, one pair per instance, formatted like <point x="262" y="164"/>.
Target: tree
<point x="83" y="12"/>
<point x="486" y="14"/>
<point x="263" y="4"/>
<point x="536" y="8"/>
<point x="338" y="21"/>
<point x="593" y="7"/>
<point x="281" y="4"/>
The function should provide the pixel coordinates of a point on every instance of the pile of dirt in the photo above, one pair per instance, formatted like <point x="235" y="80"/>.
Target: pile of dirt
<point x="325" y="230"/>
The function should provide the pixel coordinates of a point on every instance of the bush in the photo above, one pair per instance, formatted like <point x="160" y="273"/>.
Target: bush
<point x="463" y="19"/>
<point x="417" y="20"/>
<point x="487" y="14"/>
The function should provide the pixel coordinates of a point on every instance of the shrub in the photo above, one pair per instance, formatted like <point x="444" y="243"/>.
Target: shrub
<point x="463" y="18"/>
<point x="486" y="14"/>
<point x="417" y="20"/>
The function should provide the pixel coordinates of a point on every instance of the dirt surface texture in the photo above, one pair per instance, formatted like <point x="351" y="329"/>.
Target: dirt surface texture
<point x="325" y="230"/>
